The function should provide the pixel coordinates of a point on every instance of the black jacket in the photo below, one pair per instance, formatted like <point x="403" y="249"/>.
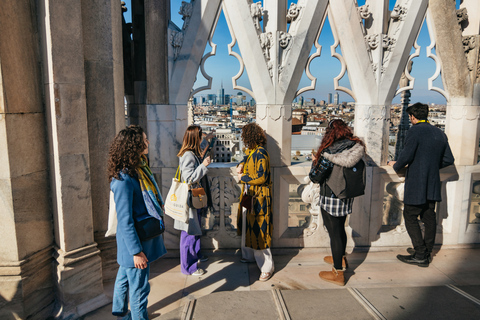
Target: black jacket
<point x="426" y="151"/>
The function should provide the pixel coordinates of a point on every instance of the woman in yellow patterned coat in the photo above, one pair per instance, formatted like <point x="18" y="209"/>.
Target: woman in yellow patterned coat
<point x="256" y="223"/>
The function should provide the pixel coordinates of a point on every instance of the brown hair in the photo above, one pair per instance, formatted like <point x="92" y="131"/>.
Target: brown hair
<point x="191" y="140"/>
<point x="337" y="130"/>
<point x="125" y="152"/>
<point x="253" y="136"/>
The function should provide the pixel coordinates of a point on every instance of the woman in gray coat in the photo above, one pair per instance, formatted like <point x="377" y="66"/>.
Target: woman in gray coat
<point x="192" y="170"/>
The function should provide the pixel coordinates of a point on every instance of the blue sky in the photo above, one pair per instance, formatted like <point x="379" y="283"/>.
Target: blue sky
<point x="223" y="67"/>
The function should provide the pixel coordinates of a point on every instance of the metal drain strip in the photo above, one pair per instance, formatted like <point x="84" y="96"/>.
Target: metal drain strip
<point x="366" y="304"/>
<point x="463" y="293"/>
<point x="187" y="312"/>
<point x="280" y="303"/>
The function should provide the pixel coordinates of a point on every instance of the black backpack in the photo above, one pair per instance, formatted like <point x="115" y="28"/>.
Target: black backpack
<point x="349" y="182"/>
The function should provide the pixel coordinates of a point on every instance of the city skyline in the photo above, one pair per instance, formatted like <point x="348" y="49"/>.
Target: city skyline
<point x="325" y="68"/>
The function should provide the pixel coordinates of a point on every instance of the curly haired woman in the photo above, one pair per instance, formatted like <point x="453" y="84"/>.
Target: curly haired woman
<point x="254" y="173"/>
<point x="339" y="146"/>
<point x="137" y="198"/>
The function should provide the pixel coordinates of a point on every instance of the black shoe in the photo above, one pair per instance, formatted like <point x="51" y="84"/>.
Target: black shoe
<point x="411" y="251"/>
<point x="410" y="259"/>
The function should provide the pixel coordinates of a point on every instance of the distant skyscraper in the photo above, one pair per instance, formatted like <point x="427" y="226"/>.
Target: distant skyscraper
<point x="240" y="99"/>
<point x="329" y="98"/>
<point x="221" y="96"/>
<point x="212" y="99"/>
<point x="335" y="98"/>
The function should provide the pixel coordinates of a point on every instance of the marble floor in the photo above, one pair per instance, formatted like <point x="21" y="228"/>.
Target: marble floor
<point x="378" y="286"/>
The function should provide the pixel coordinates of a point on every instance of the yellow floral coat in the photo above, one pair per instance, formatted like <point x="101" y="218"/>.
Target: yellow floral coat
<point x="256" y="174"/>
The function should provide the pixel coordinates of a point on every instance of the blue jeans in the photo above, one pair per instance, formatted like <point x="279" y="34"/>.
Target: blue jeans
<point x="131" y="283"/>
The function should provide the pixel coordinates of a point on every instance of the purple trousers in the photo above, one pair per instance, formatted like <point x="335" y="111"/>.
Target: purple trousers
<point x="189" y="251"/>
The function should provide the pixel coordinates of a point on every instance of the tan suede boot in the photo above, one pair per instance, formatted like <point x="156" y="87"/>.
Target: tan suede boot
<point x="329" y="260"/>
<point x="334" y="276"/>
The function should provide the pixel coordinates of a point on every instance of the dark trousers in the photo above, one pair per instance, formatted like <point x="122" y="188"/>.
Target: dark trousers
<point x="338" y="237"/>
<point x="423" y="245"/>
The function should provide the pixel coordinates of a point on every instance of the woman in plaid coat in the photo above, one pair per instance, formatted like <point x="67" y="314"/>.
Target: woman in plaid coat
<point x="339" y="146"/>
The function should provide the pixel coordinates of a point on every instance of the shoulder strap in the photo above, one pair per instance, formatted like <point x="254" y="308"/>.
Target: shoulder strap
<point x="178" y="174"/>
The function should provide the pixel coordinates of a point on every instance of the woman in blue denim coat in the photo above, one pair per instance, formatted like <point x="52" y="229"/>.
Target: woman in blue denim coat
<point x="137" y="198"/>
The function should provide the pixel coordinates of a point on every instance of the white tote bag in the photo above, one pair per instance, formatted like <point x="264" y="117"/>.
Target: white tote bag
<point x="112" y="217"/>
<point x="176" y="203"/>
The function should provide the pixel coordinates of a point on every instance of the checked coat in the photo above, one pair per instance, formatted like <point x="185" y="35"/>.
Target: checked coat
<point x="256" y="174"/>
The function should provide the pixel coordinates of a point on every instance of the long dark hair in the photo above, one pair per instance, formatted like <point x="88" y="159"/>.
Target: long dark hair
<point x="337" y="130"/>
<point x="191" y="140"/>
<point x="125" y="152"/>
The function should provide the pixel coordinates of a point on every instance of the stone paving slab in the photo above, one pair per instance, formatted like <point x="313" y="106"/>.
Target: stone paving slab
<point x="232" y="306"/>
<point x="421" y="303"/>
<point x="323" y="304"/>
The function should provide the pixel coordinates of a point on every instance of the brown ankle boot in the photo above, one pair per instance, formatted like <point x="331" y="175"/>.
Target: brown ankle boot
<point x="334" y="276"/>
<point x="329" y="260"/>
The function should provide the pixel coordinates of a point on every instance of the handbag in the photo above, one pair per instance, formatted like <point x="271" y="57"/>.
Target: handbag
<point x="176" y="202"/>
<point x="112" y="217"/>
<point x="149" y="228"/>
<point x="197" y="197"/>
<point x="247" y="201"/>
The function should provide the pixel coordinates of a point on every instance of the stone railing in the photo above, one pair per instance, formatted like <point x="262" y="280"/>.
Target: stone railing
<point x="376" y="221"/>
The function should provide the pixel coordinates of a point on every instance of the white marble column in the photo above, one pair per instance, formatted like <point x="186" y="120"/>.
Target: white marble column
<point x="77" y="262"/>
<point x="457" y="46"/>
<point x="460" y="75"/>
<point x="276" y="121"/>
<point x="372" y="125"/>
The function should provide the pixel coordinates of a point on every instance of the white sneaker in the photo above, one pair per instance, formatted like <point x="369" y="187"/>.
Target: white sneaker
<point x="199" y="272"/>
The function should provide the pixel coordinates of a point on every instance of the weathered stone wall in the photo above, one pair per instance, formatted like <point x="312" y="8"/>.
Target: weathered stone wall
<point x="26" y="275"/>
<point x="61" y="103"/>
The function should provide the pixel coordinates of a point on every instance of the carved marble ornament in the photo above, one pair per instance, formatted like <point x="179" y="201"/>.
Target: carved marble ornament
<point x="284" y="39"/>
<point x="186" y="11"/>
<point x="256" y="11"/>
<point x="388" y="43"/>
<point x="462" y="15"/>
<point x="176" y="40"/>
<point x="478" y="69"/>
<point x="372" y="41"/>
<point x="364" y="12"/>
<point x="293" y="12"/>
<point x="468" y="43"/>
<point x="266" y="42"/>
<point x="398" y="12"/>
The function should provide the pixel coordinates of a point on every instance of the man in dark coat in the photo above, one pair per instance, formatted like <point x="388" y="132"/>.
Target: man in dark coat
<point x="426" y="151"/>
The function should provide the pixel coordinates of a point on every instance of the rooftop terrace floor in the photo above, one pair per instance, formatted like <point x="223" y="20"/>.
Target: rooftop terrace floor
<point x="378" y="287"/>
